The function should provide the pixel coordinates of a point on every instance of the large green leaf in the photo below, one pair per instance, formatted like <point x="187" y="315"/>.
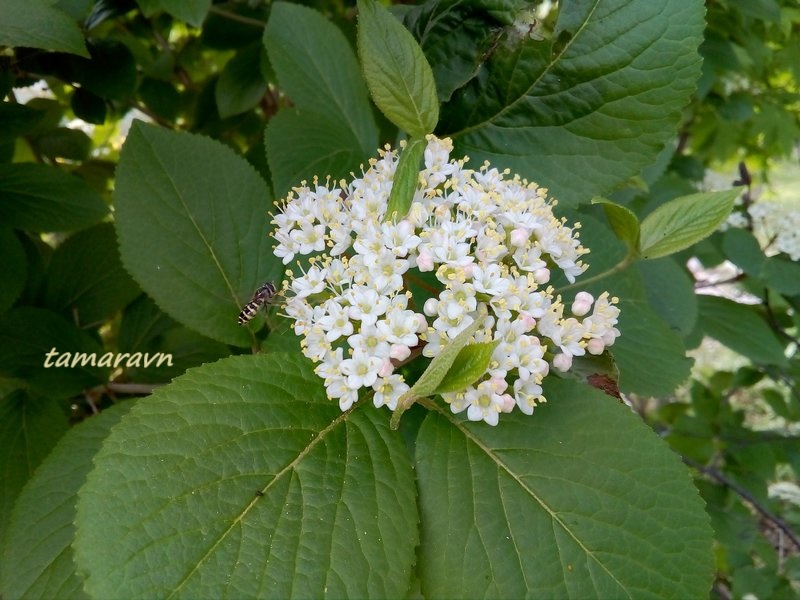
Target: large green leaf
<point x="399" y="77"/>
<point x="741" y="328"/>
<point x="85" y="280"/>
<point x="580" y="500"/>
<point x="242" y="479"/>
<point x="191" y="221"/>
<point x="37" y="24"/>
<point x="43" y="198"/>
<point x="333" y="127"/>
<point x="588" y="108"/>
<point x="37" y="559"/>
<point x="29" y="428"/>
<point x="670" y="292"/>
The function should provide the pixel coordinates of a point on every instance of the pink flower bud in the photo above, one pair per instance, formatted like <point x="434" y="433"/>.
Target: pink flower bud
<point x="386" y="369"/>
<point x="399" y="352"/>
<point x="520" y="237"/>
<point x="498" y="385"/>
<point x="595" y="346"/>
<point x="508" y="403"/>
<point x="430" y="307"/>
<point x="542" y="275"/>
<point x="582" y="304"/>
<point x="562" y="362"/>
<point x="528" y="321"/>
<point x="424" y="262"/>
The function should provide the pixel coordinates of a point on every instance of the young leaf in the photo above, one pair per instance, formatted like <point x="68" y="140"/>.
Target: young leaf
<point x="406" y="179"/>
<point x="43" y="198"/>
<point x="470" y="364"/>
<point x="554" y="506"/>
<point x="247" y="458"/>
<point x="684" y="221"/>
<point x="38" y="24"/>
<point x="428" y="383"/>
<point x="331" y="130"/>
<point x="399" y="77"/>
<point x="589" y="108"/>
<point x="623" y="222"/>
<point x="190" y="216"/>
<point x="38" y="558"/>
<point x="742" y="329"/>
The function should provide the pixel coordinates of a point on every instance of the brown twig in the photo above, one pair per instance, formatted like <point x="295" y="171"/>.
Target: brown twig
<point x="747" y="496"/>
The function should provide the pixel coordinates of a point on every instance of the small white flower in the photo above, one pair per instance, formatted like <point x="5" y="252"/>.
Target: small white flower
<point x="388" y="390"/>
<point x="361" y="370"/>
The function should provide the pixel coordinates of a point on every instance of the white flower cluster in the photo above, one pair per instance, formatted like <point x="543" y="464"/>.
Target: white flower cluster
<point x="469" y="238"/>
<point x="776" y="222"/>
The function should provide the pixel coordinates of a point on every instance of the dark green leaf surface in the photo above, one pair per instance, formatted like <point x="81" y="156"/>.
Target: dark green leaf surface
<point x="43" y="198"/>
<point x="15" y="268"/>
<point x="670" y="292"/>
<point x="241" y="479"/>
<point x="29" y="428"/>
<point x="589" y="108"/>
<point x="85" y="280"/>
<point x="302" y="144"/>
<point x="332" y="128"/>
<point x="741" y="328"/>
<point x="191" y="11"/>
<point x="37" y="24"/>
<point x="398" y="75"/>
<point x="684" y="221"/>
<point x="579" y="500"/>
<point x="28" y="335"/>
<point x="191" y="220"/>
<point x="37" y="555"/>
<point x="240" y="86"/>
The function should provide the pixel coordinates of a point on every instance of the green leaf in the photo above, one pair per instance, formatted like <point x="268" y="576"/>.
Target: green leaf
<point x="589" y="108"/>
<point x="18" y="119"/>
<point x="190" y="216"/>
<point x="741" y="328"/>
<point x="43" y="198"/>
<point x="456" y="36"/>
<point x="406" y="179"/>
<point x="742" y="248"/>
<point x="470" y="364"/>
<point x="399" y="77"/>
<point x="29" y="428"/>
<point x="554" y="506"/>
<point x="624" y="223"/>
<point x="85" y="280"/>
<point x="15" y="268"/>
<point x="670" y="292"/>
<point x="37" y="557"/>
<point x="428" y="383"/>
<point x="110" y="73"/>
<point x="36" y="24"/>
<point x="782" y="275"/>
<point x="191" y="11"/>
<point x="88" y="106"/>
<point x="240" y="86"/>
<point x="247" y="458"/>
<point x="331" y="127"/>
<point x="62" y="142"/>
<point x="302" y="144"/>
<point x="40" y="346"/>
<point x="684" y="221"/>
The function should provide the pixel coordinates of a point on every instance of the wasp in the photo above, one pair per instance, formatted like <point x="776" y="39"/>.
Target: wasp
<point x="262" y="296"/>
